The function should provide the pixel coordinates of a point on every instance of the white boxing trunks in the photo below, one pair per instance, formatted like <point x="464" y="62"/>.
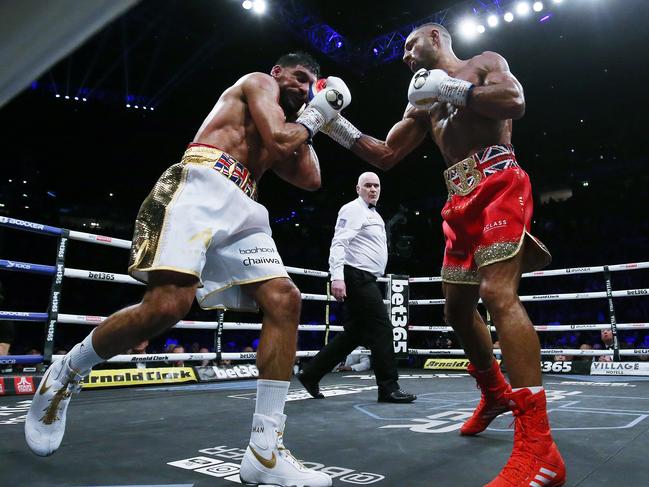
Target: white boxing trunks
<point x="201" y="219"/>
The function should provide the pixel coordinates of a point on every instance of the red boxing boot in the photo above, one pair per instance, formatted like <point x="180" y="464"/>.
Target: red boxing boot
<point x="535" y="460"/>
<point x="492" y="403"/>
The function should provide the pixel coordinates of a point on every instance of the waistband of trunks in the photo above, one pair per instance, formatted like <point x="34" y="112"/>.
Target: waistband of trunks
<point x="224" y="163"/>
<point x="463" y="177"/>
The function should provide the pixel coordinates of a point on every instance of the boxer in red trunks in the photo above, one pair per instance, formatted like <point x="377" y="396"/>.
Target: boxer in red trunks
<point x="468" y="106"/>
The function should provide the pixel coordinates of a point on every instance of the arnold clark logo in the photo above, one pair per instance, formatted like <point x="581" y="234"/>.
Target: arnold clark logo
<point x="152" y="358"/>
<point x="545" y="296"/>
<point x="225" y="462"/>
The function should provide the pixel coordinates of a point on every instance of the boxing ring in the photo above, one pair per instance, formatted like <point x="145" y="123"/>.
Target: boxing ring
<point x="188" y="425"/>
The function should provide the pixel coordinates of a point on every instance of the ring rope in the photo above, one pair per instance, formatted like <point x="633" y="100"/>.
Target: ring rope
<point x="232" y="325"/>
<point x="126" y="279"/>
<point x="116" y="242"/>
<point x="123" y="278"/>
<point x="549" y="351"/>
<point x="326" y="338"/>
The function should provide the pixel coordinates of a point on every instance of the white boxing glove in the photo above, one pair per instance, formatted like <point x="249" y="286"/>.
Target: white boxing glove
<point x="427" y="87"/>
<point x="328" y="99"/>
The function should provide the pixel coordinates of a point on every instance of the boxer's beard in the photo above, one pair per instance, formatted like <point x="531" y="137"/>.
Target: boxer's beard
<point x="289" y="103"/>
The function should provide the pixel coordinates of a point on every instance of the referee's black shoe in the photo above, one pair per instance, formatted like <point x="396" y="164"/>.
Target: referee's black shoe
<point x="398" y="396"/>
<point x="311" y="387"/>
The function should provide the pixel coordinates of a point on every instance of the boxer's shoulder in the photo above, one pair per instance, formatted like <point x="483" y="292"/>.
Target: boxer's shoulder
<point x="258" y="81"/>
<point x="489" y="61"/>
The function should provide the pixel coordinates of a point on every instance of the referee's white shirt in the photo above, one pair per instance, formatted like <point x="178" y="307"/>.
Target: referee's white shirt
<point x="359" y="240"/>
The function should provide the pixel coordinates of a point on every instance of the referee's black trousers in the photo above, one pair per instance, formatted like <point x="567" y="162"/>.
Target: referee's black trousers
<point x="366" y="323"/>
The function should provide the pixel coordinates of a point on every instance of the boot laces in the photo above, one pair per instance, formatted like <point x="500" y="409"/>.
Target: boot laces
<point x="286" y="453"/>
<point x="518" y="467"/>
<point x="482" y="408"/>
<point x="483" y="402"/>
<point x="71" y="384"/>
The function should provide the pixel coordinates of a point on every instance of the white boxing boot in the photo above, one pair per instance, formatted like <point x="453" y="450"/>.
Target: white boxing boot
<point x="268" y="462"/>
<point x="45" y="423"/>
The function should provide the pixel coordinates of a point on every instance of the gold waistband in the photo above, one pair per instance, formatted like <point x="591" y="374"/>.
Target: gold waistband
<point x="464" y="176"/>
<point x="199" y="154"/>
<point x="223" y="163"/>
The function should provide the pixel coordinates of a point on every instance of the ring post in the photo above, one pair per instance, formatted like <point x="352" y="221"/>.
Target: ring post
<point x="218" y="336"/>
<point x="326" y="337"/>
<point x="611" y="314"/>
<point x="399" y="312"/>
<point x="55" y="297"/>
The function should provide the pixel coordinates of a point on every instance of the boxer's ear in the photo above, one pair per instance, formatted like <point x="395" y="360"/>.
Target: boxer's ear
<point x="276" y="71"/>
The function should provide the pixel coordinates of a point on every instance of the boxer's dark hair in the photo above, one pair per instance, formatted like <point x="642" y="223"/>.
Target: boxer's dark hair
<point x="302" y="58"/>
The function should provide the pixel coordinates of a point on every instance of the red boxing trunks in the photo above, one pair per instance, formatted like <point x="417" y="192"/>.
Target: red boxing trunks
<point x="487" y="216"/>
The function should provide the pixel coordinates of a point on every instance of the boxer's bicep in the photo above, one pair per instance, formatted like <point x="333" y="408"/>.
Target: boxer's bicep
<point x="504" y="79"/>
<point x="501" y="95"/>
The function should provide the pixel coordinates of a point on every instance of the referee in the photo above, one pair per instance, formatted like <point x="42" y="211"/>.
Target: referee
<point x="358" y="255"/>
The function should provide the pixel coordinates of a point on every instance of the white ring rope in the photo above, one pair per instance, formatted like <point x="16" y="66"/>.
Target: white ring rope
<point x="126" y="279"/>
<point x="235" y="325"/>
<point x="550" y="351"/>
<point x="189" y="357"/>
<point x="126" y="244"/>
<point x="576" y="327"/>
<point x="560" y="272"/>
<point x="194" y="325"/>
<point x="123" y="278"/>
<point x="553" y="297"/>
<point x="100" y="239"/>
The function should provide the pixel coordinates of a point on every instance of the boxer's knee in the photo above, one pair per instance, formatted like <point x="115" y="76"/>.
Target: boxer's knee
<point x="282" y="302"/>
<point x="496" y="296"/>
<point x="163" y="307"/>
<point x="459" y="305"/>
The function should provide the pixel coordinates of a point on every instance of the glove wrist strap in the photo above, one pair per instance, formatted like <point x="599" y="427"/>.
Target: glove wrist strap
<point x="455" y="91"/>
<point x="342" y="131"/>
<point x="312" y="119"/>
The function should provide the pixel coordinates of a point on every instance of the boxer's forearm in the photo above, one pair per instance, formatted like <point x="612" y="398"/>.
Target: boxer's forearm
<point x="376" y="152"/>
<point x="402" y="139"/>
<point x="301" y="170"/>
<point x="286" y="139"/>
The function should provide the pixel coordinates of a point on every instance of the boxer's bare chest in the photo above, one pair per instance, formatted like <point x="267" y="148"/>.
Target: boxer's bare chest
<point x="460" y="131"/>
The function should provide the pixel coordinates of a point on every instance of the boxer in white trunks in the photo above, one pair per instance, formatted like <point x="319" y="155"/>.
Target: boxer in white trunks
<point x="200" y="233"/>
